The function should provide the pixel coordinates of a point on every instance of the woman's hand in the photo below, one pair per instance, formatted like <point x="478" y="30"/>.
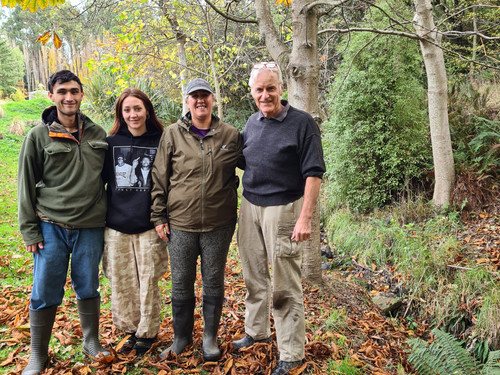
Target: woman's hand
<point x="163" y="231"/>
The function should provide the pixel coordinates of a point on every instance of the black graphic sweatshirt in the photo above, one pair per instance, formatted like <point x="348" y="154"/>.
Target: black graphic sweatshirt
<point x="127" y="173"/>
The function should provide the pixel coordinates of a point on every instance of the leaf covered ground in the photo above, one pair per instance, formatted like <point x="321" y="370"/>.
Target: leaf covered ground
<point x="359" y="334"/>
<point x="343" y="326"/>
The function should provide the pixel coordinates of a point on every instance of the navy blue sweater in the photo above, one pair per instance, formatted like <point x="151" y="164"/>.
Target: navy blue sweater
<point x="280" y="153"/>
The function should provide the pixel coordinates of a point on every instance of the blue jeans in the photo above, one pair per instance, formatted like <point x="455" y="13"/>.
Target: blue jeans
<point x="51" y="265"/>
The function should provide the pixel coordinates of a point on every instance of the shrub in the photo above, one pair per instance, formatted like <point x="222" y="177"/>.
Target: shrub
<point x="475" y="132"/>
<point x="17" y="96"/>
<point x="376" y="140"/>
<point x="237" y="117"/>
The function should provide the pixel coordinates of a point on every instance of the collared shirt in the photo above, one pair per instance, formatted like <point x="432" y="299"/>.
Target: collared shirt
<point x="280" y="116"/>
<point x="280" y="153"/>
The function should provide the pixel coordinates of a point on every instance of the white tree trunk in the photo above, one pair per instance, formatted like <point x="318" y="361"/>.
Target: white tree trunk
<point x="444" y="168"/>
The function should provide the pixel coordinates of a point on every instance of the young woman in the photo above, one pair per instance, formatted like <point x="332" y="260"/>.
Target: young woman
<point x="194" y="208"/>
<point x="134" y="257"/>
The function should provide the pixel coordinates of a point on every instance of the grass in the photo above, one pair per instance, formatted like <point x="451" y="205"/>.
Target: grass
<point x="417" y="244"/>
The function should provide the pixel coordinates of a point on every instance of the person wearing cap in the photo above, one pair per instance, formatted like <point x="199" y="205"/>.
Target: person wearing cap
<point x="283" y="169"/>
<point x="194" y="199"/>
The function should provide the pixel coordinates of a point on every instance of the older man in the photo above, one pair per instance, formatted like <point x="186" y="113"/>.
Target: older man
<point x="283" y="171"/>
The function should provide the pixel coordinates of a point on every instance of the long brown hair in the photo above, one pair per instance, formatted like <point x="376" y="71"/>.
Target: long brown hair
<point x="151" y="119"/>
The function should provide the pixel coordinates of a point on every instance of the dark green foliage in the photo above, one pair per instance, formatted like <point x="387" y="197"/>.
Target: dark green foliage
<point x="474" y="130"/>
<point x="376" y="138"/>
<point x="11" y="68"/>
<point x="446" y="356"/>
<point x="237" y="117"/>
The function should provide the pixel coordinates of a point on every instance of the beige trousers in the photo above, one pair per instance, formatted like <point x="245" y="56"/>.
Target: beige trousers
<point x="134" y="263"/>
<point x="264" y="237"/>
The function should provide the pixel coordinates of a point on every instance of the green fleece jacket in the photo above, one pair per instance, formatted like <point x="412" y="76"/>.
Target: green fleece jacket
<point x="59" y="177"/>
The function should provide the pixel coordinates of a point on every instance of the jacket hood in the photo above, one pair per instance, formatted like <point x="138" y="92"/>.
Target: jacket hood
<point x="49" y="119"/>
<point x="49" y="115"/>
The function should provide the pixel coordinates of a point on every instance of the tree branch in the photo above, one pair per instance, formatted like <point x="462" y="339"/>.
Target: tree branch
<point x="468" y="33"/>
<point x="411" y="36"/>
<point x="228" y="16"/>
<point x="332" y="3"/>
<point x="372" y="30"/>
<point x="463" y="10"/>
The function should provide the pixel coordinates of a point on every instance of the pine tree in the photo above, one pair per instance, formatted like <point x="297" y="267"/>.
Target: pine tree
<point x="11" y="68"/>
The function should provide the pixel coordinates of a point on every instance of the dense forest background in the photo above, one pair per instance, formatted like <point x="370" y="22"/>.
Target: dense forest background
<point x="362" y="69"/>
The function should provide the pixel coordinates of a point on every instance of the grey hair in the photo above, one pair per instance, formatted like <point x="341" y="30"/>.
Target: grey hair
<point x="261" y="66"/>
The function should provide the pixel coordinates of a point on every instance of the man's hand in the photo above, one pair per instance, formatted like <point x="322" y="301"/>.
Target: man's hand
<point x="163" y="231"/>
<point x="33" y="248"/>
<point x="302" y="230"/>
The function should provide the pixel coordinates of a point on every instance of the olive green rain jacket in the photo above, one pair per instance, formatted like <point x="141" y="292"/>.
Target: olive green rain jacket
<point x="194" y="181"/>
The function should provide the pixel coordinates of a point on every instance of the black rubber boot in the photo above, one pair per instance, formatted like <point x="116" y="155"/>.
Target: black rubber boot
<point x="89" y="310"/>
<point x="248" y="341"/>
<point x="41" y="323"/>
<point x="183" y="322"/>
<point x="212" y="310"/>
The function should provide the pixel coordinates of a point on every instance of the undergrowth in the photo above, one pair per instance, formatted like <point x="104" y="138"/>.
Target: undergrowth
<point x="418" y="244"/>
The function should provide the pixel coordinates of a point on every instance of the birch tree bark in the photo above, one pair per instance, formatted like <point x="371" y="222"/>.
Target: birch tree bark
<point x="444" y="167"/>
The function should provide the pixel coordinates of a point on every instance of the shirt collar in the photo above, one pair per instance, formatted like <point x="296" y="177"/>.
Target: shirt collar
<point x="280" y="116"/>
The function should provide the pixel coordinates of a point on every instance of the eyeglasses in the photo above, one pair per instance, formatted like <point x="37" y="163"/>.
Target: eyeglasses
<point x="268" y="65"/>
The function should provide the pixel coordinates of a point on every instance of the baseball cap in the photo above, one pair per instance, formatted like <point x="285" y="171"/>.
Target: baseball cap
<point x="198" y="84"/>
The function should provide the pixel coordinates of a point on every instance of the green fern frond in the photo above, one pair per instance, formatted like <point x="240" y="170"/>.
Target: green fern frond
<point x="424" y="360"/>
<point x="444" y="356"/>
<point x="451" y="352"/>
<point x="492" y="365"/>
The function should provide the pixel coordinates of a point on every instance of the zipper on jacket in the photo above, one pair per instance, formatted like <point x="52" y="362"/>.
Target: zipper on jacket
<point x="202" y="186"/>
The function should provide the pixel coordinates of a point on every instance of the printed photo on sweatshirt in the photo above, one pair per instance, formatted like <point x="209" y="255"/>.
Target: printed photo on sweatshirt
<point x="133" y="166"/>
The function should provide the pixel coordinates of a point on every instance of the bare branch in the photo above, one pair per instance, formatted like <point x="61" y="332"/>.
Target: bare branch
<point x="463" y="10"/>
<point x="468" y="33"/>
<point x="332" y="3"/>
<point x="228" y="16"/>
<point x="411" y="36"/>
<point x="372" y="30"/>
<point x="395" y="21"/>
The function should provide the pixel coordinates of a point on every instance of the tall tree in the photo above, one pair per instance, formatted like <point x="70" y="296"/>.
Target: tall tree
<point x="437" y="94"/>
<point x="11" y="68"/>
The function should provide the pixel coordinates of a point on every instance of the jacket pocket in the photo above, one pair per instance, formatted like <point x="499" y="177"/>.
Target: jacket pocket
<point x="99" y="145"/>
<point x="55" y="148"/>
<point x="285" y="246"/>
